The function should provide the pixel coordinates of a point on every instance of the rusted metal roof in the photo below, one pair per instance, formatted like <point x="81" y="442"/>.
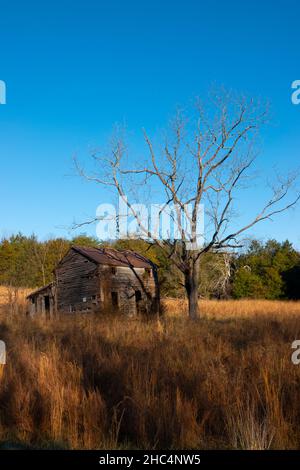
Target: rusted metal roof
<point x="112" y="257"/>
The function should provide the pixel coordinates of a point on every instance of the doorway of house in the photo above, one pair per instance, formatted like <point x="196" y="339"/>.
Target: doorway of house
<point x="138" y="299"/>
<point x="115" y="299"/>
<point x="47" y="305"/>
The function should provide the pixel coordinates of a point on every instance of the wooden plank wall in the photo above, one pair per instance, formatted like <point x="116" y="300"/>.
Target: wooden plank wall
<point x="76" y="280"/>
<point x="123" y="281"/>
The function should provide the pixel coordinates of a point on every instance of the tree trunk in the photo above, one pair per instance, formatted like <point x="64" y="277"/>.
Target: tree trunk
<point x="192" y="289"/>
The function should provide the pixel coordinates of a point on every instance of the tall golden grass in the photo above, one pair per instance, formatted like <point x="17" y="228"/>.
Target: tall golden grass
<point x="226" y="381"/>
<point x="13" y="298"/>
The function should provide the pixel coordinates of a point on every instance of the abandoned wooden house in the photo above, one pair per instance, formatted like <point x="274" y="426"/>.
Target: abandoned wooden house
<point x="99" y="279"/>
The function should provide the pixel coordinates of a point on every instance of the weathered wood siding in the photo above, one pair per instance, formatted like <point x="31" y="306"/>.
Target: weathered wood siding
<point x="83" y="285"/>
<point x="39" y="305"/>
<point x="77" y="283"/>
<point x="126" y="282"/>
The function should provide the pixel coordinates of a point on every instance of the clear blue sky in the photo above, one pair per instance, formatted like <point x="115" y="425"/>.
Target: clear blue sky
<point x="73" y="69"/>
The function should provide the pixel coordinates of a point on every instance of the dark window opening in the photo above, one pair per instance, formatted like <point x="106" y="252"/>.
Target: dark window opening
<point x="138" y="295"/>
<point x="114" y="299"/>
<point x="113" y="271"/>
<point x="47" y="303"/>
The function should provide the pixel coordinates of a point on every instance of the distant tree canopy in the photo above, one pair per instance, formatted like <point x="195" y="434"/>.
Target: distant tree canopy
<point x="268" y="270"/>
<point x="27" y="262"/>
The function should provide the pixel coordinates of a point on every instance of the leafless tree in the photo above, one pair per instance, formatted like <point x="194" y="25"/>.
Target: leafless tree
<point x="203" y="161"/>
<point x="40" y="251"/>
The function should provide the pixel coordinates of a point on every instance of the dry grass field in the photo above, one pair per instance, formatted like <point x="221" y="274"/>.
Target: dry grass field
<point x="226" y="381"/>
<point x="13" y="299"/>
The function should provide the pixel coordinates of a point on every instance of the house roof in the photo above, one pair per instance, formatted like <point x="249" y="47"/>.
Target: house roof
<point x="112" y="257"/>
<point x="40" y="290"/>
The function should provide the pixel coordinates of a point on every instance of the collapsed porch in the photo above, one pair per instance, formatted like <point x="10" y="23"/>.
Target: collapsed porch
<point x="42" y="301"/>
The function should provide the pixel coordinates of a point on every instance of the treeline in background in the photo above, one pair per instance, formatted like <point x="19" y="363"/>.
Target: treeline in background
<point x="269" y="270"/>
